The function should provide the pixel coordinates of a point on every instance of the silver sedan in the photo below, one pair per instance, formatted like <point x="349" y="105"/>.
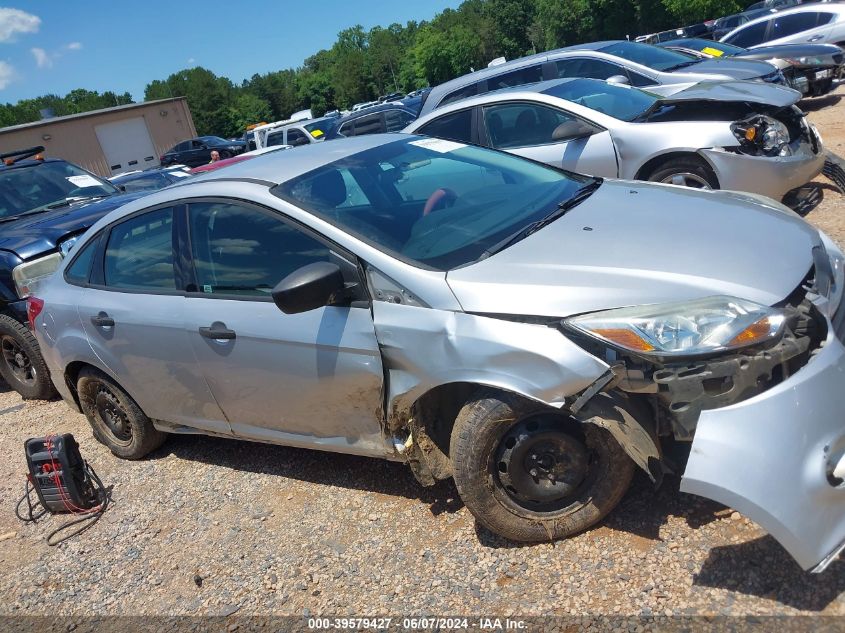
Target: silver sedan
<point x="742" y="136"/>
<point x="535" y="334"/>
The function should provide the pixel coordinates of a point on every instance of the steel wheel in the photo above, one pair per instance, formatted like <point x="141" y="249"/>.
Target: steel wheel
<point x="112" y="415"/>
<point x="687" y="179"/>
<point x="542" y="465"/>
<point x="17" y="361"/>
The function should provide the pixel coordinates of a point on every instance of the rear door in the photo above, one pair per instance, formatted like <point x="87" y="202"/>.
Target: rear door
<point x="311" y="379"/>
<point x="530" y="130"/>
<point x="133" y="313"/>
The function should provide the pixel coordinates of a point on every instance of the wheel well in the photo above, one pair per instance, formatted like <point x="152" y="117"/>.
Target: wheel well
<point x="72" y="376"/>
<point x="652" y="164"/>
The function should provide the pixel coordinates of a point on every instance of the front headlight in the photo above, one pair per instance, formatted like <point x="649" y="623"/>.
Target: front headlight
<point x="692" y="328"/>
<point x="26" y="275"/>
<point x="764" y="133"/>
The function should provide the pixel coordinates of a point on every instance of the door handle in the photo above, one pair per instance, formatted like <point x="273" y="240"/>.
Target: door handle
<point x="815" y="38"/>
<point x="102" y="320"/>
<point x="217" y="331"/>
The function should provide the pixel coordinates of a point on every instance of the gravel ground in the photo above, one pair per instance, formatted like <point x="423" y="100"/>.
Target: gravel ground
<point x="217" y="527"/>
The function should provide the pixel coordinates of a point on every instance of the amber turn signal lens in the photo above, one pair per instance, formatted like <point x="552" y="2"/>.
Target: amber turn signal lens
<point x="624" y="338"/>
<point x="754" y="333"/>
<point x="751" y="134"/>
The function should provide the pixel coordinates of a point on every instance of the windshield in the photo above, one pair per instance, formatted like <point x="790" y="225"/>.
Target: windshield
<point x="620" y="102"/>
<point x="318" y="129"/>
<point x="716" y="49"/>
<point x="37" y="187"/>
<point x="434" y="203"/>
<point x="652" y="56"/>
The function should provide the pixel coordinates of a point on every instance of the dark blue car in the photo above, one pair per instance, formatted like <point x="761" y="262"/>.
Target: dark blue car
<point x="45" y="206"/>
<point x="387" y="117"/>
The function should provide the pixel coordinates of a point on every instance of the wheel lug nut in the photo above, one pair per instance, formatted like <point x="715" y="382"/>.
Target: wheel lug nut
<point x="533" y="472"/>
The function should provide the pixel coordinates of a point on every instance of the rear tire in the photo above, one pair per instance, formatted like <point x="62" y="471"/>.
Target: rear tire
<point x="687" y="171"/>
<point x="531" y="473"/>
<point x="116" y="420"/>
<point x="21" y="363"/>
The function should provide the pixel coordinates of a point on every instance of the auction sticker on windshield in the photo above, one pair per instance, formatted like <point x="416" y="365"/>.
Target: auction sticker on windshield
<point x="438" y="145"/>
<point x="83" y="180"/>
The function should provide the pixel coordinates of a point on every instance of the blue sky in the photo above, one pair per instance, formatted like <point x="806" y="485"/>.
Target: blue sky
<point x="59" y="45"/>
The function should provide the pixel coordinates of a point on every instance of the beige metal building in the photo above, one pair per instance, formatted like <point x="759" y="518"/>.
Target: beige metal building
<point x="108" y="141"/>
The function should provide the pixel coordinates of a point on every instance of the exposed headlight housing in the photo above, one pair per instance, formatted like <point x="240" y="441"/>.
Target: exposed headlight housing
<point x="763" y="134"/>
<point x="28" y="274"/>
<point x="694" y="328"/>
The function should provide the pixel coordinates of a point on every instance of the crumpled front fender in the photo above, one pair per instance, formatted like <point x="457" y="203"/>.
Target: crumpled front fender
<point x="423" y="348"/>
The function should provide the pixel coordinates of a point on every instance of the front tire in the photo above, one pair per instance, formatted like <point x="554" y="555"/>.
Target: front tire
<point x="21" y="363"/>
<point x="116" y="420"/>
<point x="686" y="171"/>
<point x="531" y="473"/>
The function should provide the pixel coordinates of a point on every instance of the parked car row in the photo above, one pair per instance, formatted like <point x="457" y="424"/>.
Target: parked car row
<point x="478" y="297"/>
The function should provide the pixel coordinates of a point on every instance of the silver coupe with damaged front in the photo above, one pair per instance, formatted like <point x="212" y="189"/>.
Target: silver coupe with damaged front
<point x="739" y="135"/>
<point x="537" y="336"/>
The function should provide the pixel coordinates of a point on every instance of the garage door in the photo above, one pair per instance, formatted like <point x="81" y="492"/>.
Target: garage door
<point x="127" y="145"/>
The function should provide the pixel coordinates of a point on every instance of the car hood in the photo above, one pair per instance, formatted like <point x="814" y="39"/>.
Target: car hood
<point x="633" y="243"/>
<point x="744" y="91"/>
<point x="731" y="67"/>
<point x="40" y="233"/>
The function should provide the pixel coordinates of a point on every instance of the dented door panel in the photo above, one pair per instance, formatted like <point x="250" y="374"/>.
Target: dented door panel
<point x="423" y="348"/>
<point x="773" y="457"/>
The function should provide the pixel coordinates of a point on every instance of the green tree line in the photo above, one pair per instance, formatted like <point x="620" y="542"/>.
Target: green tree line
<point x="363" y="64"/>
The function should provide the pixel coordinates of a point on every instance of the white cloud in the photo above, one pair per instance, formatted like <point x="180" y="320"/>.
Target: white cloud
<point x="74" y="46"/>
<point x="42" y="58"/>
<point x="15" y="21"/>
<point x="192" y="61"/>
<point x="7" y="73"/>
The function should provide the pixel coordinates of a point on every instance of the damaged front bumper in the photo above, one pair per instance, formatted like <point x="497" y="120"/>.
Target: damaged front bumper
<point x="778" y="458"/>
<point x="771" y="176"/>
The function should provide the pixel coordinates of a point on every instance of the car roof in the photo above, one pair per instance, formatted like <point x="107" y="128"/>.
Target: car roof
<point x="815" y="7"/>
<point x="29" y="162"/>
<point x="392" y="105"/>
<point x="277" y="167"/>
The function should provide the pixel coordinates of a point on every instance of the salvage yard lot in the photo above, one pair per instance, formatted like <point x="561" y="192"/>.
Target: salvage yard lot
<point x="209" y="526"/>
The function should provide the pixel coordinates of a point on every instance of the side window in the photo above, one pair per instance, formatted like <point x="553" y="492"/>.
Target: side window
<point x="139" y="253"/>
<point x="783" y="26"/>
<point x="639" y="80"/>
<point x="197" y="144"/>
<point x="456" y="126"/>
<point x="395" y="120"/>
<point x="522" y="124"/>
<point x="461" y="93"/>
<point x="825" y="18"/>
<point x="246" y="251"/>
<point x="519" y="77"/>
<point x="181" y="147"/>
<point x="347" y="129"/>
<point x="370" y="124"/>
<point x="749" y="35"/>
<point x="295" y="135"/>
<point x="80" y="269"/>
<point x="275" y="138"/>
<point x="590" y="68"/>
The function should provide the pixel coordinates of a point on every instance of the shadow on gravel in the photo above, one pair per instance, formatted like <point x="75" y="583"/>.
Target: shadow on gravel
<point x="812" y="105"/>
<point x="763" y="568"/>
<point x="318" y="467"/>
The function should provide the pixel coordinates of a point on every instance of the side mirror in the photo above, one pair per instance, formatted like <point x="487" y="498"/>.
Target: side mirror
<point x="618" y="79"/>
<point x="571" y="130"/>
<point x="308" y="288"/>
<point x="300" y="141"/>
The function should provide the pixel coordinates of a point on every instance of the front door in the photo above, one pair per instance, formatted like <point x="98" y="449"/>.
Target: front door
<point x="133" y="315"/>
<point x="528" y="129"/>
<point x="312" y="379"/>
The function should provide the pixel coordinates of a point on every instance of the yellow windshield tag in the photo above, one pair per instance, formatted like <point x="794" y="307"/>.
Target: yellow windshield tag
<point x="317" y="133"/>
<point x="715" y="52"/>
